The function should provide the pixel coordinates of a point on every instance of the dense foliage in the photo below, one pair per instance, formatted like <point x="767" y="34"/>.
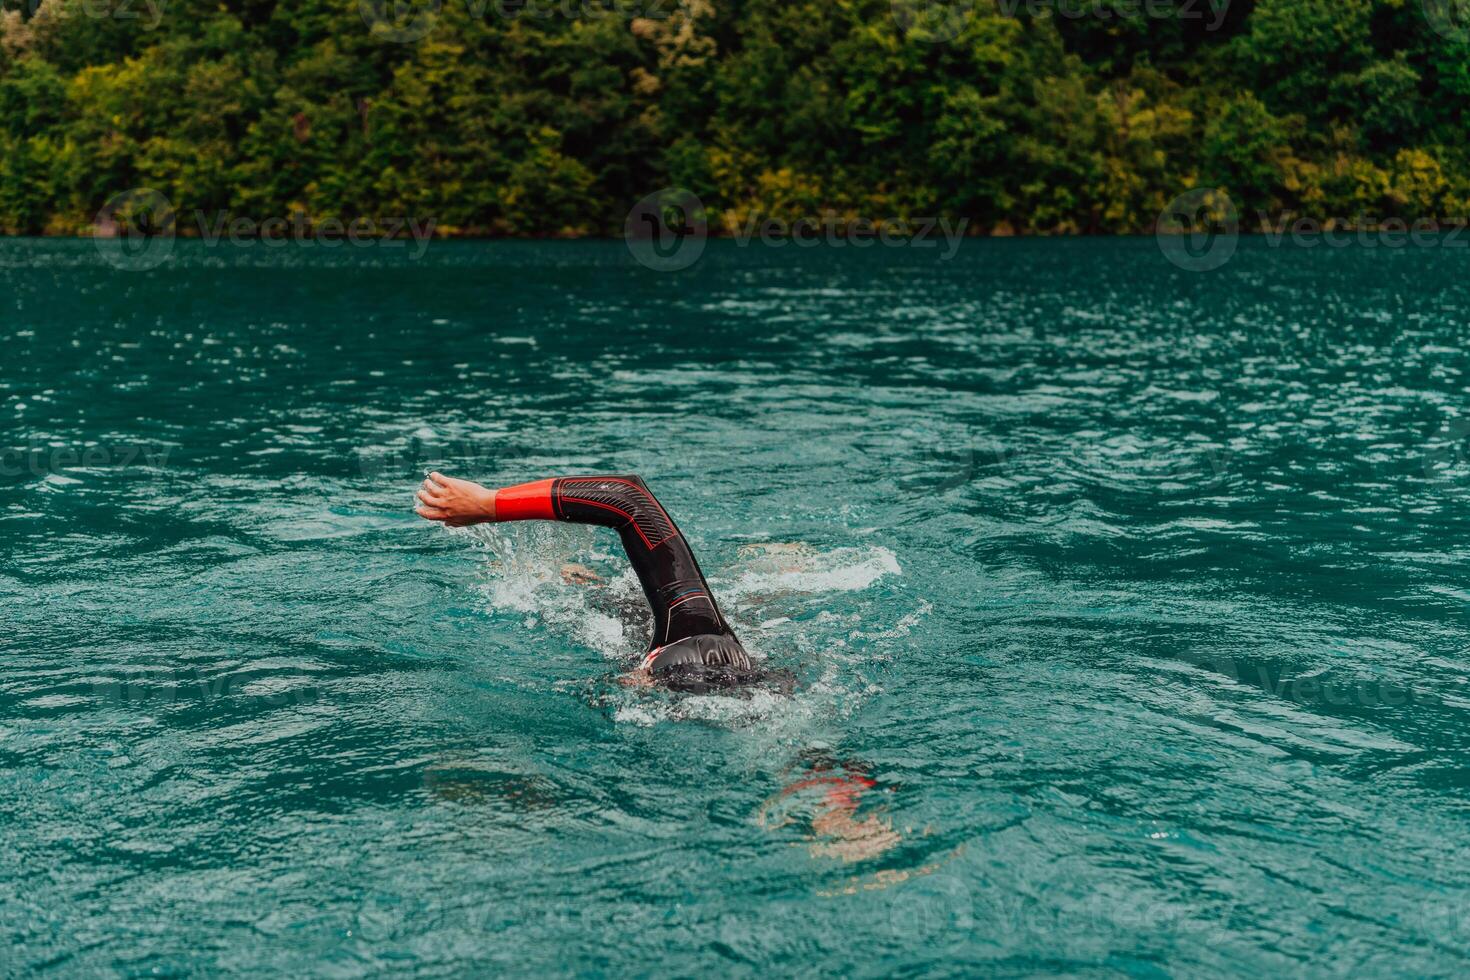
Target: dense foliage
<point x="553" y="116"/>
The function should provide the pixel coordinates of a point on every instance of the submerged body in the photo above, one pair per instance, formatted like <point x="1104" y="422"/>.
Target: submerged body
<point x="692" y="646"/>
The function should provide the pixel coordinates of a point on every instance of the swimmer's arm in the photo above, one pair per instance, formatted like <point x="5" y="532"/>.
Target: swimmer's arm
<point x="458" y="503"/>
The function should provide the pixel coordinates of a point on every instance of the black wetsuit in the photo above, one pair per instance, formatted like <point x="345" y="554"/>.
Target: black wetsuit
<point x="692" y="644"/>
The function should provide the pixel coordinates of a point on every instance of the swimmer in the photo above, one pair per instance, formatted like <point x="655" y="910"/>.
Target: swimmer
<point x="693" y="648"/>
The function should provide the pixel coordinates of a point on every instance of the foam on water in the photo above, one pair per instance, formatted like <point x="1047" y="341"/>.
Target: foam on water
<point x="773" y="596"/>
<point x="523" y="573"/>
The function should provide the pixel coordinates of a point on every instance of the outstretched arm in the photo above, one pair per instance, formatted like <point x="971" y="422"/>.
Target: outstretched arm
<point x="677" y="593"/>
<point x="611" y="501"/>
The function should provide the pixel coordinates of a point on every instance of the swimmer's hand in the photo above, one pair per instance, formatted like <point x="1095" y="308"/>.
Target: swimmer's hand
<point x="458" y="503"/>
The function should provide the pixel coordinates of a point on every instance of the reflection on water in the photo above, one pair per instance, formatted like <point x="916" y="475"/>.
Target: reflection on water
<point x="825" y="800"/>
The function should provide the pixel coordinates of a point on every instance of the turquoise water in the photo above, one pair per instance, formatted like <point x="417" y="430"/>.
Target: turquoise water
<point x="1137" y="596"/>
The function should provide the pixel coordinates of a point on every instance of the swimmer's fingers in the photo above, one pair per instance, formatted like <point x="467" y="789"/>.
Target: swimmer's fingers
<point x="443" y="516"/>
<point x="430" y="497"/>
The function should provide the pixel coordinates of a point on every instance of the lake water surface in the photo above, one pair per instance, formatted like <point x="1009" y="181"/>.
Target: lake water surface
<point x="1128" y="604"/>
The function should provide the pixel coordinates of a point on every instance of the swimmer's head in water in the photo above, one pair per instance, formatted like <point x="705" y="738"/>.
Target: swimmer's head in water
<point x="699" y="664"/>
<point x="711" y="663"/>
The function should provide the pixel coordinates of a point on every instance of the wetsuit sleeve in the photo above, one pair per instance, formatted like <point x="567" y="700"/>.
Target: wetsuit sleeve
<point x="681" y="601"/>
<point x="525" y="502"/>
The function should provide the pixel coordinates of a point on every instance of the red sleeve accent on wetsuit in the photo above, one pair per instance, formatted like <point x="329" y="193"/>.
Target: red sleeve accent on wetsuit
<point x="525" y="502"/>
<point x="677" y="592"/>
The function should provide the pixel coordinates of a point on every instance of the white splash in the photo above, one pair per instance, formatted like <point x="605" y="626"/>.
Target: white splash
<point x="775" y="595"/>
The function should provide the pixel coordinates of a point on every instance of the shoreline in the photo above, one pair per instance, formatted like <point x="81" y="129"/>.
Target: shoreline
<point x="1287" y="226"/>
